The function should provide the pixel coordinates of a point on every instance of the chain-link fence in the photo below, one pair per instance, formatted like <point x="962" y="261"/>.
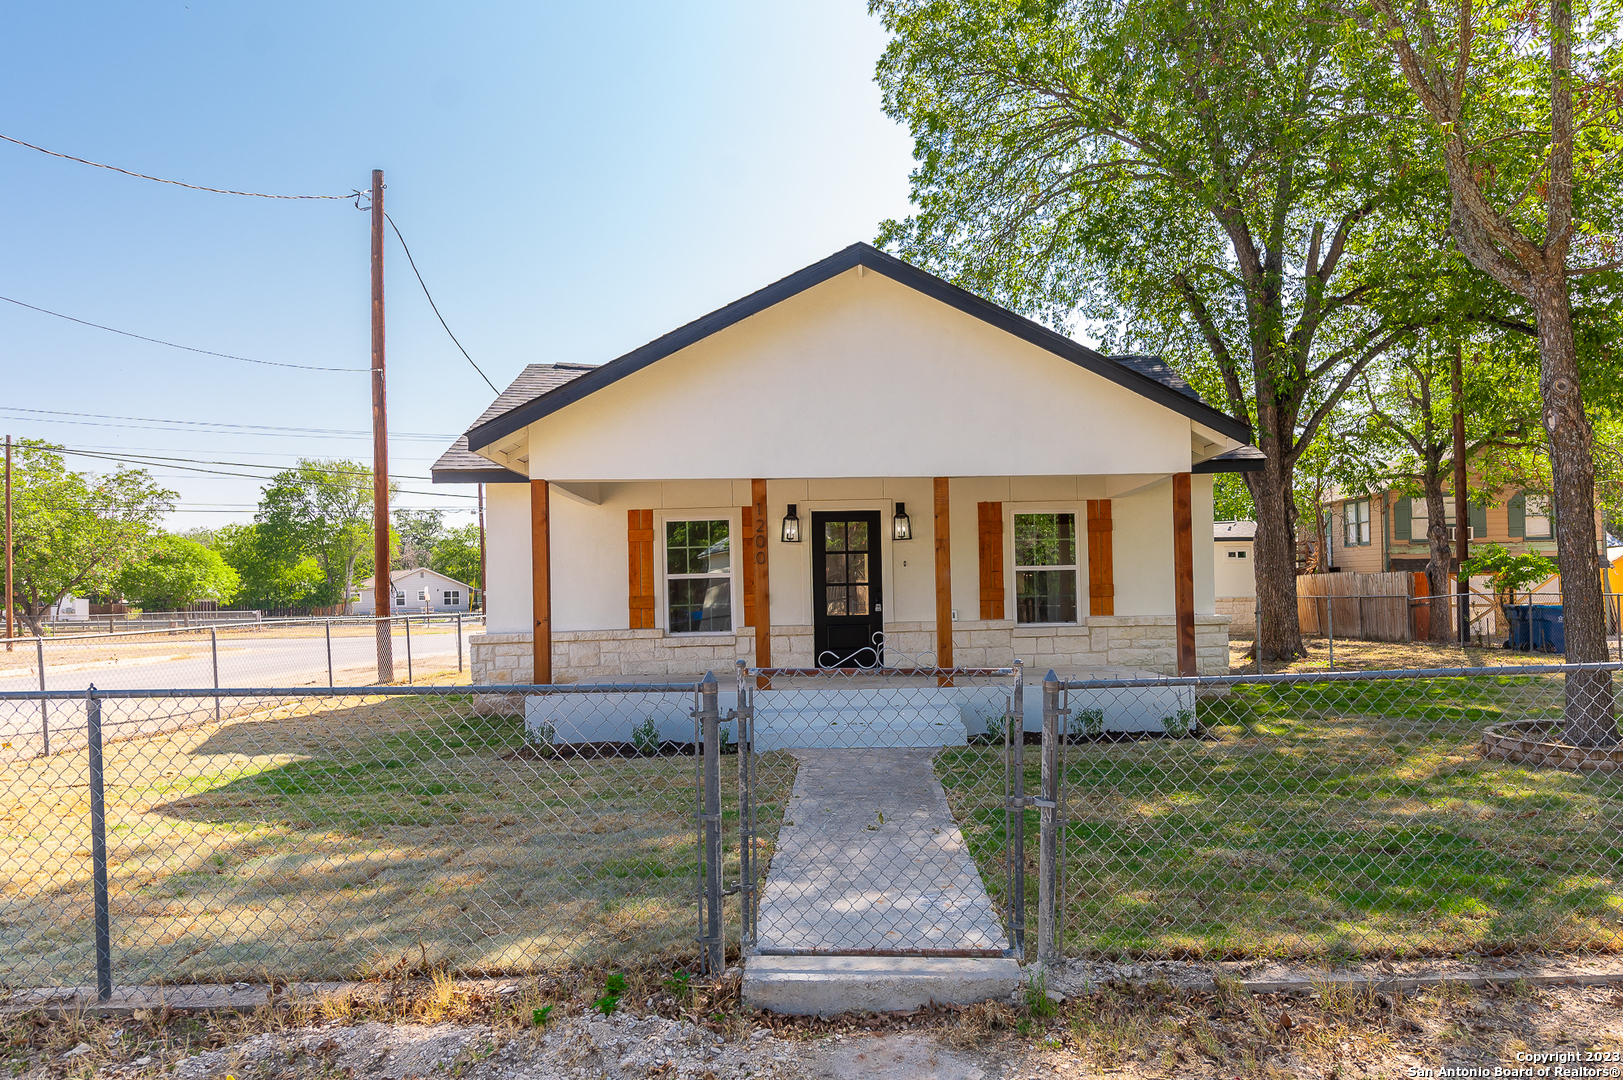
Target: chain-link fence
<point x="287" y="652"/>
<point x="302" y="833"/>
<point x="897" y="836"/>
<point x="1334" y="815"/>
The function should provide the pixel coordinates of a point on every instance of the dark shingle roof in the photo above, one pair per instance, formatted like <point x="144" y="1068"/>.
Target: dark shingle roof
<point x="1158" y="369"/>
<point x="459" y="465"/>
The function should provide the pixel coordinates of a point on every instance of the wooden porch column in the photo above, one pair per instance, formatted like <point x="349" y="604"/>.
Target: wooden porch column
<point x="761" y="578"/>
<point x="541" y="579"/>
<point x="1183" y="570"/>
<point x="943" y="578"/>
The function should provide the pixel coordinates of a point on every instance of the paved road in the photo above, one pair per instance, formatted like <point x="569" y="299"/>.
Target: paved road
<point x="25" y="727"/>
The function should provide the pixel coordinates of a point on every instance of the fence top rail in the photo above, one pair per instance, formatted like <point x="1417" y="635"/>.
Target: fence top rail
<point x="240" y="624"/>
<point x="1335" y="676"/>
<point x="906" y="672"/>
<point x="538" y="690"/>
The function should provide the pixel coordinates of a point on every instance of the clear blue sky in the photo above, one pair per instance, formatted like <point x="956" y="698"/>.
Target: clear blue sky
<point x="574" y="180"/>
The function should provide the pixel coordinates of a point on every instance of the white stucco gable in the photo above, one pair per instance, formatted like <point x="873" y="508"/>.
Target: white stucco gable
<point x="860" y="374"/>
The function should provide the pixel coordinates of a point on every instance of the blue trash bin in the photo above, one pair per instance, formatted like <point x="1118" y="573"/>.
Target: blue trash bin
<point x="1537" y="628"/>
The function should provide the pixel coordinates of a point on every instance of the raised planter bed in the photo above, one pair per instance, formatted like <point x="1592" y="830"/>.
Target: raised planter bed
<point x="1534" y="743"/>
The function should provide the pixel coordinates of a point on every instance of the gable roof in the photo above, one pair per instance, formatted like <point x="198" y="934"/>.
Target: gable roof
<point x="459" y="465"/>
<point x="396" y="575"/>
<point x="1147" y="376"/>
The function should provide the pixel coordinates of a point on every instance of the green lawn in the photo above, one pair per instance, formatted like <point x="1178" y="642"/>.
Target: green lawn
<point x="339" y="840"/>
<point x="1324" y="820"/>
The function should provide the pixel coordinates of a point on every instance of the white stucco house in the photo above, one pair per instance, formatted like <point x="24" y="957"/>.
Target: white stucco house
<point x="1234" y="572"/>
<point x="417" y="592"/>
<point x="859" y="463"/>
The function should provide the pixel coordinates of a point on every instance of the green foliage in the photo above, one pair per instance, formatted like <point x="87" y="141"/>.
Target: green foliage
<point x="1508" y="573"/>
<point x="456" y="555"/>
<point x="272" y="575"/>
<point x="996" y="730"/>
<point x="321" y="510"/>
<point x="1231" y="499"/>
<point x="175" y="573"/>
<point x="1086" y="723"/>
<point x="75" y="532"/>
<point x="418" y="532"/>
<point x="679" y="984"/>
<point x="614" y="988"/>
<point x="645" y="737"/>
<point x="539" y="1017"/>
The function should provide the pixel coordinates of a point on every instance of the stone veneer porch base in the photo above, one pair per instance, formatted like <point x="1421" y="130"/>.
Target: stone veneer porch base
<point x="1146" y="642"/>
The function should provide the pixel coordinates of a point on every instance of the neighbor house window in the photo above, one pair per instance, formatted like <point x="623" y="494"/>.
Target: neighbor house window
<point x="698" y="576"/>
<point x="1420" y="519"/>
<point x="422" y="594"/>
<point x="399" y="599"/>
<point x="1236" y="554"/>
<point x="1538" y="516"/>
<point x="1045" y="568"/>
<point x="1357" y="523"/>
<point x="453" y="597"/>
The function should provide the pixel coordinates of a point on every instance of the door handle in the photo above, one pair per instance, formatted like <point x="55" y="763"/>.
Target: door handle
<point x="879" y="607"/>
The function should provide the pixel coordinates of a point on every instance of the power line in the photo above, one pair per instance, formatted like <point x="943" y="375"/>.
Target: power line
<point x="171" y="463"/>
<point x="171" y="344"/>
<point x="433" y="305"/>
<point x="255" y="428"/>
<point x="177" y="183"/>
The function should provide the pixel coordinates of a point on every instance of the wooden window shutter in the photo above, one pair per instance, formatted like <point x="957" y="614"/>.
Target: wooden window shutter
<point x="1101" y="559"/>
<point x="744" y="570"/>
<point x="1516" y="511"/>
<point x="640" y="567"/>
<point x="1479" y="518"/>
<point x="989" y="516"/>
<point x="1403" y="520"/>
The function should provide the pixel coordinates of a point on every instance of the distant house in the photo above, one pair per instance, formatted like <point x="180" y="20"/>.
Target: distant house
<point x="1386" y="531"/>
<point x="418" y="591"/>
<point x="1233" y="572"/>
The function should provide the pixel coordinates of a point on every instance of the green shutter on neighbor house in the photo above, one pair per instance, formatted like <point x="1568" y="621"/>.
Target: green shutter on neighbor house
<point x="1516" y="509"/>
<point x="1403" y="520"/>
<point x="1479" y="520"/>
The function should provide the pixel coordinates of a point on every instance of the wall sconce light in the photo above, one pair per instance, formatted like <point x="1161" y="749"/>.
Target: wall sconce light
<point x="791" y="526"/>
<point x="903" y="524"/>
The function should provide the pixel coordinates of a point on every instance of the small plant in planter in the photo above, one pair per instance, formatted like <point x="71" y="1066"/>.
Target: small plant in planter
<point x="729" y="745"/>
<point x="544" y="737"/>
<point x="645" y="738"/>
<point x="1181" y="724"/>
<point x="1087" y="724"/>
<point x="995" y="733"/>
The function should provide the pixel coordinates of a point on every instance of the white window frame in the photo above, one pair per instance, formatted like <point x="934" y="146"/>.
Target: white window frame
<point x="1420" y="520"/>
<point x="1237" y="553"/>
<point x="453" y="598"/>
<point x="1348" y="521"/>
<point x="422" y="596"/>
<point x="399" y="599"/>
<point x="1528" y="517"/>
<point x="1012" y="603"/>
<point x="663" y="578"/>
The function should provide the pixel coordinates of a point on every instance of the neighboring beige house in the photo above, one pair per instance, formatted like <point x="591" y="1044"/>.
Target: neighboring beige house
<point x="860" y="463"/>
<point x="1385" y="531"/>
<point x="1234" y="573"/>
<point x="418" y="591"/>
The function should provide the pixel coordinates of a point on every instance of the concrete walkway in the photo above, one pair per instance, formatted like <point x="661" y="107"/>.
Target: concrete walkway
<point x="869" y="857"/>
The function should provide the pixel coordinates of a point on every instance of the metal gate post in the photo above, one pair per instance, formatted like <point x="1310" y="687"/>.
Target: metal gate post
<point x="214" y="654"/>
<point x="1048" y="845"/>
<point x="746" y="809"/>
<point x="1014" y="738"/>
<point x="44" y="706"/>
<point x="98" y="848"/>
<point x="710" y="721"/>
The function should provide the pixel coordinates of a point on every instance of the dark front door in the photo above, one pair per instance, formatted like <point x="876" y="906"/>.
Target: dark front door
<point x="847" y="615"/>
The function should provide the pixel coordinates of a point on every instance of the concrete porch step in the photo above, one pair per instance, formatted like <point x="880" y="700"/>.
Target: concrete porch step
<point x="830" y="985"/>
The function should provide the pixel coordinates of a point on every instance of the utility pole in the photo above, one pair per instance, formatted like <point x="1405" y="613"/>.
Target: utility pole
<point x="382" y="581"/>
<point x="11" y="626"/>
<point x="482" y="609"/>
<point x="1462" y="505"/>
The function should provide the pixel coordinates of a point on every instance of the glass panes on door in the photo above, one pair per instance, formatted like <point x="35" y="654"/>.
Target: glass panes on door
<point x="1045" y="568"/>
<point x="846" y="563"/>
<point x="698" y="576"/>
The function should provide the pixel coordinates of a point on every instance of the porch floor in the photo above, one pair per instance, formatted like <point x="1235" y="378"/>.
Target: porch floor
<point x="870" y="858"/>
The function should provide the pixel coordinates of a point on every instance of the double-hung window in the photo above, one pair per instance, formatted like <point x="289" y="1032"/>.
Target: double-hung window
<point x="1356" y="523"/>
<point x="453" y="598"/>
<point x="399" y="599"/>
<point x="1045" y="568"/>
<point x="1538" y="517"/>
<point x="698" y="576"/>
<point x="422" y="594"/>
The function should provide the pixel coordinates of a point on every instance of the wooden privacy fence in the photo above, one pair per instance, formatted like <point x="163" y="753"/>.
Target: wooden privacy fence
<point x="1374" y="607"/>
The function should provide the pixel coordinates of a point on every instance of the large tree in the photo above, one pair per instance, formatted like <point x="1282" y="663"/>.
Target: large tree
<point x="73" y="532"/>
<point x="457" y="555"/>
<point x="323" y="510"/>
<point x="273" y="575"/>
<point x="1525" y="117"/>
<point x="1216" y="179"/>
<point x="418" y="531"/>
<point x="176" y="573"/>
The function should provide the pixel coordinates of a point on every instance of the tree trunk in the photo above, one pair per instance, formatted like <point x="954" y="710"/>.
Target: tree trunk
<point x="1589" y="713"/>
<point x="1441" y="555"/>
<point x="1274" y="549"/>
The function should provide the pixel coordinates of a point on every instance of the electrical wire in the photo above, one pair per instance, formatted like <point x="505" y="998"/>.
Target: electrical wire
<point x="177" y="183"/>
<point x="433" y="305"/>
<point x="254" y="428"/>
<point x="171" y="344"/>
<point x="170" y="463"/>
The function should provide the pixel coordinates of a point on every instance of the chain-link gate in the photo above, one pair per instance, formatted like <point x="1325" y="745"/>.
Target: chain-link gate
<point x="905" y="790"/>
